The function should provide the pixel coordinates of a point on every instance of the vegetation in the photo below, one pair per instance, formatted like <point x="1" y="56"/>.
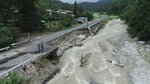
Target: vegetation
<point x="27" y="16"/>
<point x="113" y="17"/>
<point x="75" y="10"/>
<point x="12" y="79"/>
<point x="32" y="16"/>
<point x="5" y="36"/>
<point x="30" y="19"/>
<point x="87" y="14"/>
<point x="55" y="4"/>
<point x="96" y="15"/>
<point x="137" y="15"/>
<point x="100" y="6"/>
<point x="78" y="11"/>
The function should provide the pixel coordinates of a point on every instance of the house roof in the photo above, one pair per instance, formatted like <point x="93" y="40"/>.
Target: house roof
<point x="82" y="18"/>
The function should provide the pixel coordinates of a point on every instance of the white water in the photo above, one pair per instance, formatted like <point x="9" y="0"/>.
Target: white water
<point x="110" y="59"/>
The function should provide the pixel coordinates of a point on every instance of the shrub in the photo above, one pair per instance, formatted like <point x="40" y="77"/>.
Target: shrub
<point x="6" y="37"/>
<point x="87" y="14"/>
<point x="12" y="79"/>
<point x="56" y="25"/>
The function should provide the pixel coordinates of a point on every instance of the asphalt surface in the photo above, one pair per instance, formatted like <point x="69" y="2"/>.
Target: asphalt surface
<point x="61" y="33"/>
<point x="32" y="47"/>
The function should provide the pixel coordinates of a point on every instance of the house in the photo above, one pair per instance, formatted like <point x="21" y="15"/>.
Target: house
<point x="82" y="19"/>
<point x="61" y="11"/>
<point x="49" y="11"/>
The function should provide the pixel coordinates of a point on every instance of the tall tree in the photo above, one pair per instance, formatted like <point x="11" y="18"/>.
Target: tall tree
<point x="7" y="10"/>
<point x="30" y="15"/>
<point x="75" y="9"/>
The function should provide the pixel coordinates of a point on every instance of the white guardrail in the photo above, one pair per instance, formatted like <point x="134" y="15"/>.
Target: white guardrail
<point x="15" y="68"/>
<point x="19" y="43"/>
<point x="3" y="49"/>
<point x="14" y="45"/>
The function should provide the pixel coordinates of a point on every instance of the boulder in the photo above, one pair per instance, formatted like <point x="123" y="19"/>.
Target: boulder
<point x="147" y="46"/>
<point x="136" y="39"/>
<point x="142" y="42"/>
<point x="81" y="37"/>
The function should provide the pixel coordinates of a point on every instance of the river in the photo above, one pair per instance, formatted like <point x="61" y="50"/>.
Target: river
<point x="110" y="57"/>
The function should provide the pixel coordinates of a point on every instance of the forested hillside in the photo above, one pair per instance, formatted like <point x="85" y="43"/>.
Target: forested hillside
<point x="135" y="12"/>
<point x="99" y="6"/>
<point x="137" y="15"/>
<point x="55" y="4"/>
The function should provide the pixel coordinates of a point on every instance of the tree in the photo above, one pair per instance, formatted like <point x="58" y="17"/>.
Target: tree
<point x="139" y="19"/>
<point x="87" y="14"/>
<point x="75" y="9"/>
<point x="30" y="15"/>
<point x="81" y="10"/>
<point x="7" y="10"/>
<point x="5" y="37"/>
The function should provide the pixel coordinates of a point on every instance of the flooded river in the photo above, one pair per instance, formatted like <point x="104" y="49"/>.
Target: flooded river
<point x="110" y="57"/>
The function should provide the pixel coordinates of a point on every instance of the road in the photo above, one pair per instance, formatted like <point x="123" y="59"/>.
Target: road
<point x="32" y="47"/>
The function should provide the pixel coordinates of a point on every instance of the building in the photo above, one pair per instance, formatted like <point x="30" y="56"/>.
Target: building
<point x="82" y="19"/>
<point x="49" y="11"/>
<point x="64" y="11"/>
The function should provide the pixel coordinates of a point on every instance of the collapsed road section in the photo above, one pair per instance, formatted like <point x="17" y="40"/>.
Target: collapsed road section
<point x="31" y="55"/>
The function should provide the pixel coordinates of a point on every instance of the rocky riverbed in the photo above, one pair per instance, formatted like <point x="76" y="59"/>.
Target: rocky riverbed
<point x="110" y="57"/>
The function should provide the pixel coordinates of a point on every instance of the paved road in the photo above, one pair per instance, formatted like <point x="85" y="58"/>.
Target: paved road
<point x="61" y="33"/>
<point x="31" y="47"/>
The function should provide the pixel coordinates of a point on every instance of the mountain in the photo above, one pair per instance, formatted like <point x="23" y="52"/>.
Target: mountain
<point x="55" y="4"/>
<point x="101" y="5"/>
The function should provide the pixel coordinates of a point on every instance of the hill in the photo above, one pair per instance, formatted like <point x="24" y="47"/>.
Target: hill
<point x="55" y="4"/>
<point x="99" y="6"/>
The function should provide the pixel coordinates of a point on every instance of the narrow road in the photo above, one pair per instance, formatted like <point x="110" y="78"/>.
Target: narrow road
<point x="32" y="47"/>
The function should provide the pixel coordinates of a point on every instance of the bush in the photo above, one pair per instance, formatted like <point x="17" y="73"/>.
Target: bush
<point x="12" y="79"/>
<point x="55" y="26"/>
<point x="111" y="17"/>
<point x="6" y="37"/>
<point x="87" y="14"/>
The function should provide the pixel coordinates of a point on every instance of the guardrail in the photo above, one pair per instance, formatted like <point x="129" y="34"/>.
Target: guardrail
<point x="14" y="45"/>
<point x="3" y="49"/>
<point x="19" y="66"/>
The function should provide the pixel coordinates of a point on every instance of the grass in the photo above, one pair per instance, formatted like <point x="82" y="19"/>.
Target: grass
<point x="111" y="17"/>
<point x="96" y="15"/>
<point x="11" y="79"/>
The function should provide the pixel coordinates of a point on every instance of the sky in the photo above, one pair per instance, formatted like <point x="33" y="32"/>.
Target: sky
<point x="72" y="1"/>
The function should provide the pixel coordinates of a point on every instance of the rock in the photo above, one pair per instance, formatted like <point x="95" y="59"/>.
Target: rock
<point x="148" y="50"/>
<point x="136" y="39"/>
<point x="119" y="65"/>
<point x="109" y="61"/>
<point x="81" y="37"/>
<point x="147" y="46"/>
<point x="142" y="42"/>
<point x="78" y="44"/>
